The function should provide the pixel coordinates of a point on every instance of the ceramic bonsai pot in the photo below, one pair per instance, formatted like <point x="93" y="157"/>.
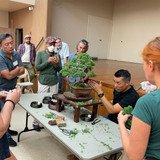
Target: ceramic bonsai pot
<point x="81" y="92"/>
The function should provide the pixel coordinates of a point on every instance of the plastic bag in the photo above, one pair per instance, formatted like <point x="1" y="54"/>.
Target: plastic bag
<point x="148" y="87"/>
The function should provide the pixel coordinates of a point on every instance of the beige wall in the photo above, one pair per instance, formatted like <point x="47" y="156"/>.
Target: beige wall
<point x="4" y="19"/>
<point x="9" y="30"/>
<point x="49" y="18"/>
<point x="33" y="22"/>
<point x="70" y="18"/>
<point x="135" y="22"/>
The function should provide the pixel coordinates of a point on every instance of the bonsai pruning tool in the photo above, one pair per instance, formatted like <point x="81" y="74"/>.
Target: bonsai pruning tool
<point x="65" y="131"/>
<point x="95" y="121"/>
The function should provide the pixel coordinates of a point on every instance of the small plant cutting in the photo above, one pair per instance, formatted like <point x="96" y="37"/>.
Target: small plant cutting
<point x="128" y="110"/>
<point x="77" y="67"/>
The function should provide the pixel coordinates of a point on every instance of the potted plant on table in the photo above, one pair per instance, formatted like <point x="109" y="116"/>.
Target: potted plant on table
<point x="77" y="68"/>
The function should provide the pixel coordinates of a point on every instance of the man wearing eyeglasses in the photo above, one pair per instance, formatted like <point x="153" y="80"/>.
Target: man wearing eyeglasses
<point x="11" y="66"/>
<point x="62" y="49"/>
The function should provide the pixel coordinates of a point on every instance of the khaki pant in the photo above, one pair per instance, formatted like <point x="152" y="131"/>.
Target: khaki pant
<point x="30" y="69"/>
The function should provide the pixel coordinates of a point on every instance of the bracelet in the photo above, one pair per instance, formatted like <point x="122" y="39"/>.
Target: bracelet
<point x="100" y="95"/>
<point x="9" y="100"/>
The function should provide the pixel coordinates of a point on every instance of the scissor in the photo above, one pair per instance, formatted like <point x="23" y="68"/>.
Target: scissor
<point x="95" y="121"/>
<point x="65" y="131"/>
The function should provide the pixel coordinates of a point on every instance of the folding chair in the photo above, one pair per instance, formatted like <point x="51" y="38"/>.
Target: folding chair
<point x="27" y="83"/>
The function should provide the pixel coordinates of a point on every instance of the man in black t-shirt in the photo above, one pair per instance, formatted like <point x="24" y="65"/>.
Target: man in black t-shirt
<point x="124" y="94"/>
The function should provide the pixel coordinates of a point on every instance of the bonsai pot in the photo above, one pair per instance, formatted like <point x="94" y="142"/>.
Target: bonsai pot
<point x="81" y="92"/>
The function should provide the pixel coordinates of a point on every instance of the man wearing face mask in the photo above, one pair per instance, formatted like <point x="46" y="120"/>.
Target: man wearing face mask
<point x="48" y="64"/>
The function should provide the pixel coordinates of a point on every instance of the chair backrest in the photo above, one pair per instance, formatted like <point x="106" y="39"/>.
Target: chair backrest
<point x="25" y="75"/>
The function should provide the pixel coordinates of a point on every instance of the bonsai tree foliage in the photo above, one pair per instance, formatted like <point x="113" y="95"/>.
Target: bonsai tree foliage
<point x="77" y="68"/>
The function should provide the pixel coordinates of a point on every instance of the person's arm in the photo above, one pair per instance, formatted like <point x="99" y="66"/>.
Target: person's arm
<point x="66" y="53"/>
<point x="107" y="104"/>
<point x="41" y="64"/>
<point x="21" y="71"/>
<point x="86" y="76"/>
<point x="3" y="95"/>
<point x="110" y="107"/>
<point x="66" y="60"/>
<point x="136" y="143"/>
<point x="12" y="74"/>
<point x="19" y="49"/>
<point x="5" y="114"/>
<point x="18" y="69"/>
<point x="70" y="57"/>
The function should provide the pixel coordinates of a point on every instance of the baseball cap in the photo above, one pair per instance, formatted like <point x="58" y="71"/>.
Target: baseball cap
<point x="27" y="36"/>
<point x="50" y="39"/>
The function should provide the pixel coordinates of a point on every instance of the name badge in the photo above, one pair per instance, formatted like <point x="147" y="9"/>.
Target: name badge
<point x="15" y="63"/>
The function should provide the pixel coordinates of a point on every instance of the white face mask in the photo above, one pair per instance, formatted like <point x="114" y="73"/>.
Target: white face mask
<point x="50" y="48"/>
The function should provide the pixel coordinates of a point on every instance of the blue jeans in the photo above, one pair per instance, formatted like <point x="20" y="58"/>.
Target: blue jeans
<point x="4" y="148"/>
<point x="60" y="82"/>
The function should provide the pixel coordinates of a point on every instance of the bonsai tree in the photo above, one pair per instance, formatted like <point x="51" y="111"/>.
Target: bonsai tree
<point x="77" y="67"/>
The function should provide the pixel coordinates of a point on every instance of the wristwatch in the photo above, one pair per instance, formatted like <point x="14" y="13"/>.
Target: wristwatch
<point x="100" y="95"/>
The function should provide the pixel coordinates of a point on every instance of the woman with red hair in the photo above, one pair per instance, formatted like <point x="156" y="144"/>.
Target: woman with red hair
<point x="144" y="138"/>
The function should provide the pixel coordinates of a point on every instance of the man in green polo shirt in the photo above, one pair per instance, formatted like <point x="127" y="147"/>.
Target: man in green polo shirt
<point x="48" y="64"/>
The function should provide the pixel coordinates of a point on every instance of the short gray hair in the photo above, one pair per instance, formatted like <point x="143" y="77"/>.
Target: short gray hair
<point x="83" y="41"/>
<point x="57" y="38"/>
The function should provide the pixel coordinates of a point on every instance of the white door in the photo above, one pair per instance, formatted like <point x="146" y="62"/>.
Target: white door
<point x="99" y="36"/>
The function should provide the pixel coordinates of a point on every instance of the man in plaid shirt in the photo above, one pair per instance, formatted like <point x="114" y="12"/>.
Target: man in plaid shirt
<point x="28" y="53"/>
